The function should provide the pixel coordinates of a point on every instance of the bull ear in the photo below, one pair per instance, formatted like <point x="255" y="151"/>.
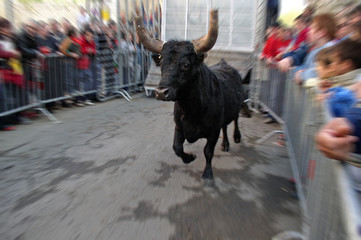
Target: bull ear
<point x="200" y="57"/>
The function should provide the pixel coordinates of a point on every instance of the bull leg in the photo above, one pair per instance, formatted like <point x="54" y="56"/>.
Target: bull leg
<point x="225" y="143"/>
<point x="237" y="134"/>
<point x="208" y="153"/>
<point x="178" y="146"/>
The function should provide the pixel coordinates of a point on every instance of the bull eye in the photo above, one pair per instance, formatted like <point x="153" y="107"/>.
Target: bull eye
<point x="185" y="67"/>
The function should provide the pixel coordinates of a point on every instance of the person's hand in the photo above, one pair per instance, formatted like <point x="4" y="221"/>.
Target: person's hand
<point x="74" y="55"/>
<point x="269" y="61"/>
<point x="334" y="139"/>
<point x="40" y="55"/>
<point x="324" y="84"/>
<point x="285" y="64"/>
<point x="17" y="54"/>
<point x="297" y="77"/>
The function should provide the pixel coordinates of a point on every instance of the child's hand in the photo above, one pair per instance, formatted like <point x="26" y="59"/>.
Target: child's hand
<point x="325" y="84"/>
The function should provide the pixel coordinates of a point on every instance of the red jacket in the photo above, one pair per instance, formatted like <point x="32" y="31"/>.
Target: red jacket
<point x="275" y="46"/>
<point x="86" y="49"/>
<point x="267" y="46"/>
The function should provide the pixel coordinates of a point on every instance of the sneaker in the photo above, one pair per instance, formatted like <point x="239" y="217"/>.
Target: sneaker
<point x="279" y="143"/>
<point x="269" y="120"/>
<point x="89" y="103"/>
<point x="24" y="120"/>
<point x="65" y="105"/>
<point x="7" y="128"/>
<point x="79" y="104"/>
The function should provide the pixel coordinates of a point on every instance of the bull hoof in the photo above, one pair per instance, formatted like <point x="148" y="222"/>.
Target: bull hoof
<point x="207" y="175"/>
<point x="237" y="138"/>
<point x="189" y="158"/>
<point x="224" y="148"/>
<point x="208" y="183"/>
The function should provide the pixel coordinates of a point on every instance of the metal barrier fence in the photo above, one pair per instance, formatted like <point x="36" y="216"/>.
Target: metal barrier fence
<point x="330" y="204"/>
<point x="58" y="78"/>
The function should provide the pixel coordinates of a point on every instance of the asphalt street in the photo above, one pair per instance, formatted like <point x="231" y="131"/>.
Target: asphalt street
<point x="109" y="172"/>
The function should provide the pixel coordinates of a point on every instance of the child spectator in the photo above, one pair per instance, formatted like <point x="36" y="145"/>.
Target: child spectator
<point x="346" y="68"/>
<point x="271" y="33"/>
<point x="276" y="44"/>
<point x="324" y="70"/>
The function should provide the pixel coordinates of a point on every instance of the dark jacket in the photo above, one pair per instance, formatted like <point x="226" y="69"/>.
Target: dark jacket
<point x="28" y="46"/>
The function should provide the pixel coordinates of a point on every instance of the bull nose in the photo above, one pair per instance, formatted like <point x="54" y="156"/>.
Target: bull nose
<point x="161" y="93"/>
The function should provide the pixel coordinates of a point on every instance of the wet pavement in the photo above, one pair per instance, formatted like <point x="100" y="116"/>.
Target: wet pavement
<point x="109" y="172"/>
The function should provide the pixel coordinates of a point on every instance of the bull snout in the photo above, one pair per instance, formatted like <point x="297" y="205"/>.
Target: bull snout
<point x="162" y="94"/>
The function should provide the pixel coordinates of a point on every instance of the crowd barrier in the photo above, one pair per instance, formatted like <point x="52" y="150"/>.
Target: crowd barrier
<point x="328" y="190"/>
<point x="58" y="77"/>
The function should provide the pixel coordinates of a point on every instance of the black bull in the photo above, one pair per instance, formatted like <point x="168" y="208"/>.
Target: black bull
<point x="206" y="99"/>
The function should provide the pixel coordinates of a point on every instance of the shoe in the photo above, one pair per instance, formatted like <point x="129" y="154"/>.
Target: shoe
<point x="269" y="120"/>
<point x="89" y="103"/>
<point x="65" y="105"/>
<point x="279" y="143"/>
<point x="7" y="128"/>
<point x="24" y="120"/>
<point x="79" y="104"/>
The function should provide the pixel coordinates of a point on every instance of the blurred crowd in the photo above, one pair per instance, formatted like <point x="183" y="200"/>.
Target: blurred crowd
<point x="82" y="55"/>
<point x="323" y="52"/>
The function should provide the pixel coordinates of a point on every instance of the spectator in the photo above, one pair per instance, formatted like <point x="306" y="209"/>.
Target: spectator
<point x="56" y="31"/>
<point x="301" y="46"/>
<point x="346" y="67"/>
<point x="106" y="46"/>
<point x="346" y="61"/>
<point x="85" y="76"/>
<point x="355" y="15"/>
<point x="46" y="42"/>
<point x="50" y="75"/>
<point x="302" y="29"/>
<point x="71" y="48"/>
<point x="66" y="26"/>
<point x="308" y="12"/>
<point x="11" y="81"/>
<point x="82" y="19"/>
<point x="271" y="34"/>
<point x="325" y="71"/>
<point x="31" y="55"/>
<point x="322" y="32"/>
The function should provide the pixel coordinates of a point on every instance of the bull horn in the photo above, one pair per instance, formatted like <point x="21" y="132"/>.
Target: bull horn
<point x="206" y="42"/>
<point x="152" y="44"/>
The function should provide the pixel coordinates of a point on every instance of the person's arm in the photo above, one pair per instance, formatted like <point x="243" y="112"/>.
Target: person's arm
<point x="64" y="48"/>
